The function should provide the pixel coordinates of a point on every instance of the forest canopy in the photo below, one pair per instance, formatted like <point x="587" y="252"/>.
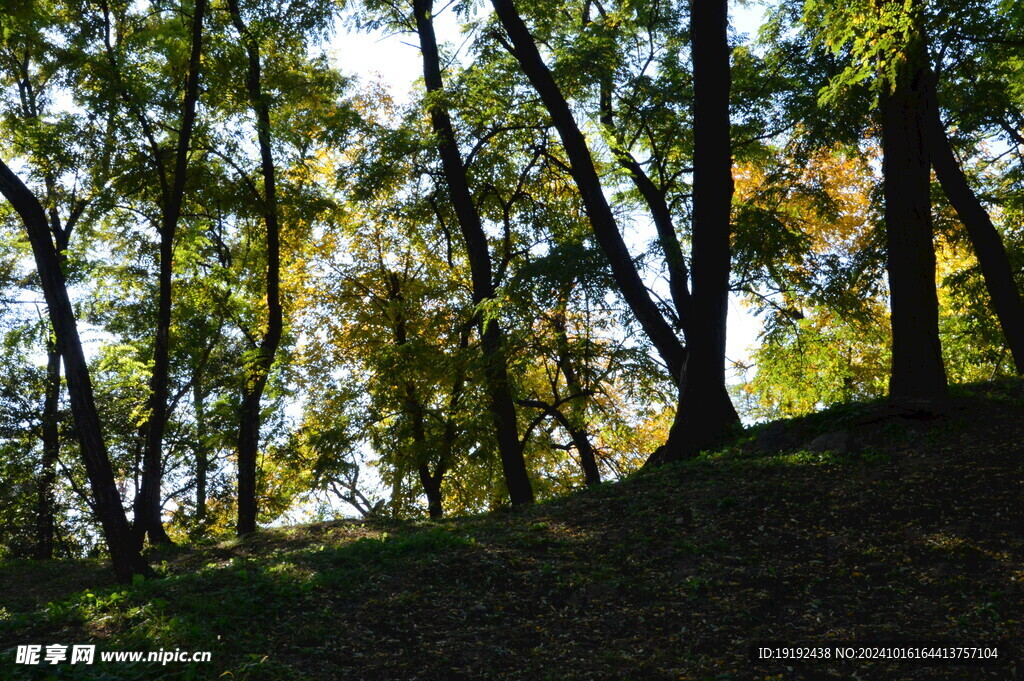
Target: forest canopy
<point x="240" y="283"/>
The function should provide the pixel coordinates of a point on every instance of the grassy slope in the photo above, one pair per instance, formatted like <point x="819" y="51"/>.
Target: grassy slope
<point x="911" y="532"/>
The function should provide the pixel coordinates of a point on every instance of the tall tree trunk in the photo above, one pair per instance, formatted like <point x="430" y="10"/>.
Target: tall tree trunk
<point x="431" y="481"/>
<point x="918" y="376"/>
<point x="706" y="411"/>
<point x="148" y="501"/>
<point x="45" y="527"/>
<point x="258" y="372"/>
<point x="581" y="164"/>
<point x="988" y="245"/>
<point x="107" y="502"/>
<point x="449" y="436"/>
<point x="708" y="314"/>
<point x="51" y="450"/>
<point x="503" y="407"/>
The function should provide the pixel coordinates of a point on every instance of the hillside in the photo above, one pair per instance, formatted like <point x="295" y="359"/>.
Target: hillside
<point x="861" y="524"/>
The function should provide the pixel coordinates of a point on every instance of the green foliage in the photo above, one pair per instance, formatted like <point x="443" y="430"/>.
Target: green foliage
<point x="874" y="35"/>
<point x="380" y="374"/>
<point x="803" y="366"/>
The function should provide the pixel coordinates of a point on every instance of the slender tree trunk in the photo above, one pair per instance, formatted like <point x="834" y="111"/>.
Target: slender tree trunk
<point x="248" y="454"/>
<point x="414" y="411"/>
<point x="503" y="407"/>
<point x="259" y="371"/>
<point x="988" y="245"/>
<point x="581" y="164"/>
<point x="574" y="422"/>
<point x="125" y="556"/>
<point x="918" y="376"/>
<point x="588" y="460"/>
<point x="449" y="436"/>
<point x="431" y="481"/>
<point x="51" y="449"/>
<point x="148" y="501"/>
<point x="654" y="197"/>
<point x="201" y="456"/>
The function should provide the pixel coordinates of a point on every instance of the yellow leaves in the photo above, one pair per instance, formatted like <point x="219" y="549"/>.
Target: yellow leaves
<point x="748" y="179"/>
<point x="317" y="168"/>
<point x="951" y="258"/>
<point x="829" y="199"/>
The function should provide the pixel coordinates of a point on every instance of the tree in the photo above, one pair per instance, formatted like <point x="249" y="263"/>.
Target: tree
<point x="567" y="409"/>
<point x="148" y="501"/>
<point x="496" y="374"/>
<point x="128" y="64"/>
<point x="523" y="47"/>
<point x="988" y="244"/>
<point x="258" y="369"/>
<point x="24" y="39"/>
<point x="886" y="47"/>
<point x="895" y="55"/>
<point x="388" y="359"/>
<point x="918" y="375"/>
<point x="26" y="61"/>
<point x="50" y="433"/>
<point x="705" y="411"/>
<point x="693" y="433"/>
<point x="30" y="511"/>
<point x="123" y="551"/>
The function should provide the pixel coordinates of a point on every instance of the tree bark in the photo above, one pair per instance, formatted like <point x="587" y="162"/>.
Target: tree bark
<point x="510" y="448"/>
<point x="988" y="245"/>
<point x="432" y="487"/>
<point x="259" y="371"/>
<point x="148" y="502"/>
<point x="918" y="375"/>
<point x="449" y="437"/>
<point x="126" y="558"/>
<point x="706" y="412"/>
<point x="51" y="450"/>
